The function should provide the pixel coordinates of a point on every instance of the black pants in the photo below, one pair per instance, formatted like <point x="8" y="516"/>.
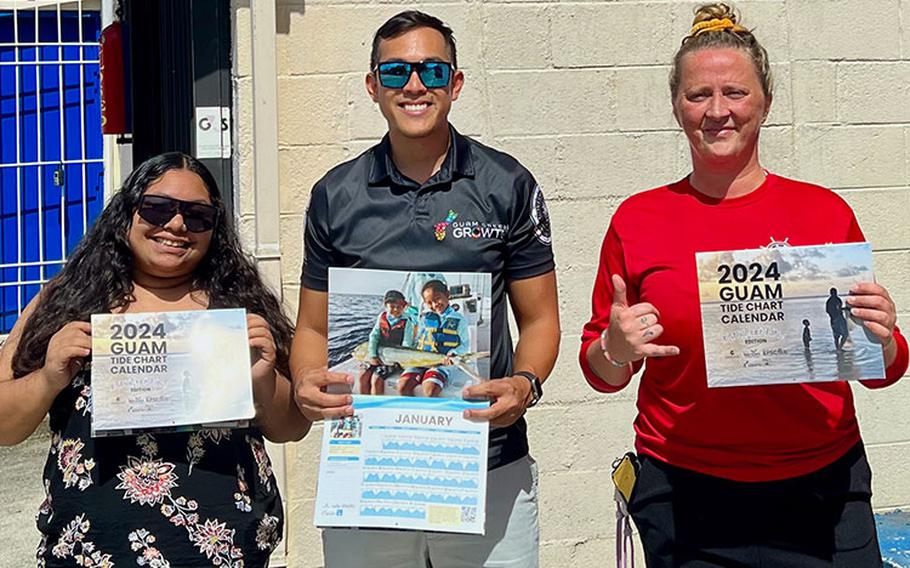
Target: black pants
<point x="691" y="520"/>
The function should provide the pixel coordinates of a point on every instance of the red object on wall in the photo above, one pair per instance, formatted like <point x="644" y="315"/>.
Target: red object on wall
<point x="113" y="91"/>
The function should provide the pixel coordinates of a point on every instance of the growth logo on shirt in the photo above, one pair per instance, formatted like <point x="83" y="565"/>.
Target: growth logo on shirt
<point x="468" y="229"/>
<point x="440" y="228"/>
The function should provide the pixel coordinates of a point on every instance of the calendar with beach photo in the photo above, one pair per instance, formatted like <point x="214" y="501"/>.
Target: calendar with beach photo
<point x="779" y="315"/>
<point x="170" y="371"/>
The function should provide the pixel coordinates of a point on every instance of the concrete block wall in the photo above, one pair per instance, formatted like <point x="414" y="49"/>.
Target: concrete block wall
<point x="578" y="92"/>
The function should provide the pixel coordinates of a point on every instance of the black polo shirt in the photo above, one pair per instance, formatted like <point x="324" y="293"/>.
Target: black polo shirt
<point x="365" y="214"/>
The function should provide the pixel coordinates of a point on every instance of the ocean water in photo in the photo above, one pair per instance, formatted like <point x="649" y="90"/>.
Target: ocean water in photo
<point x="351" y="317"/>
<point x="769" y="353"/>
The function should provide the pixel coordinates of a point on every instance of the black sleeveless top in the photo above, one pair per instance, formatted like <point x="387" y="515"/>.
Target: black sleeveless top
<point x="203" y="498"/>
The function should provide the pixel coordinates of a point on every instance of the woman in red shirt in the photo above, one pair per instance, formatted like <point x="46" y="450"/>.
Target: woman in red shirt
<point x="745" y="476"/>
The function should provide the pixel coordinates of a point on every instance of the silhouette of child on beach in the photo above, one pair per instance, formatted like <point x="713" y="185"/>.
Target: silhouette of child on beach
<point x="807" y="334"/>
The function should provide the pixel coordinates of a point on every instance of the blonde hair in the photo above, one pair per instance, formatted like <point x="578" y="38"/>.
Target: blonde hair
<point x="716" y="26"/>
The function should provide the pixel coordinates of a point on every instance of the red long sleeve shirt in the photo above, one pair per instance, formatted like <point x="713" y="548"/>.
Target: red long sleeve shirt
<point x="756" y="433"/>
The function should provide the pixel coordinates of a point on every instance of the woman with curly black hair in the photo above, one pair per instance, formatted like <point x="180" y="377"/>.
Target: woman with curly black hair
<point x="199" y="498"/>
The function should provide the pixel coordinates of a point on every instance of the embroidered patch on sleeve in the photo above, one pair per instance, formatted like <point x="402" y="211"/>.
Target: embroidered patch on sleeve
<point x="541" y="217"/>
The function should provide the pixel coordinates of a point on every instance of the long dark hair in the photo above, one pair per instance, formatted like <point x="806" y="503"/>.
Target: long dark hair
<point x="98" y="277"/>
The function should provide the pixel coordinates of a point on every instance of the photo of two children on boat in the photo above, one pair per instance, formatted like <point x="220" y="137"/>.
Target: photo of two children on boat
<point x="410" y="333"/>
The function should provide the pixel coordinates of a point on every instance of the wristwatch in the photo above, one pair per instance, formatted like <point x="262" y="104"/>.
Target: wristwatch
<point x="536" y="388"/>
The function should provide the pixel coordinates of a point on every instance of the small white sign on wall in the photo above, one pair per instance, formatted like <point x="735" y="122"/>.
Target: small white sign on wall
<point x="213" y="132"/>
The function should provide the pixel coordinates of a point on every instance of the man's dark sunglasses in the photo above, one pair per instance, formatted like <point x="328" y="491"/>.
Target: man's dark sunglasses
<point x="396" y="74"/>
<point x="159" y="210"/>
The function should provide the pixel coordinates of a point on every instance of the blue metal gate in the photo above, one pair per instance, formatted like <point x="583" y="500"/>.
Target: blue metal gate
<point x="51" y="146"/>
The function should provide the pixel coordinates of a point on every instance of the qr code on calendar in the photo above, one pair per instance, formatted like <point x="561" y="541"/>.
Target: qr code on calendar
<point x="468" y="515"/>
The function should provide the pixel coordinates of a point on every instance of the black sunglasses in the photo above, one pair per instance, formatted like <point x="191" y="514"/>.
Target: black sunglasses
<point x="396" y="74"/>
<point x="159" y="210"/>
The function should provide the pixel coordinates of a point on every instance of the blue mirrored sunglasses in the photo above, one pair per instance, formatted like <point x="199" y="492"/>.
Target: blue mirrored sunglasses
<point x="396" y="74"/>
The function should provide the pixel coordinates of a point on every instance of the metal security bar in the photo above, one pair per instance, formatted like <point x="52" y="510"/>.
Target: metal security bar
<point x="51" y="146"/>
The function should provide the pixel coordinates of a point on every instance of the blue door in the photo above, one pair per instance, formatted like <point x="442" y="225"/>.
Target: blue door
<point x="51" y="146"/>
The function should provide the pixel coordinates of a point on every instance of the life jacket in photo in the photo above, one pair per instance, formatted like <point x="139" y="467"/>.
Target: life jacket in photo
<point x="440" y="333"/>
<point x="390" y="334"/>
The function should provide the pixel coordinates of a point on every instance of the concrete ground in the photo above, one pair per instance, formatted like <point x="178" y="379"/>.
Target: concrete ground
<point x="21" y="493"/>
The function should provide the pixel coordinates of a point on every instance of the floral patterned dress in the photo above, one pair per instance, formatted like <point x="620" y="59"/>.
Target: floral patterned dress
<point x="175" y="500"/>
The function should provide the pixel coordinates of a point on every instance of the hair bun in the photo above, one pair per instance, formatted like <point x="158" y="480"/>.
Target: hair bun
<point x="716" y="26"/>
<point x="715" y="11"/>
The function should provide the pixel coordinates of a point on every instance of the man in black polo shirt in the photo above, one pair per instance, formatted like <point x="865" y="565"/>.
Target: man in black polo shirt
<point x="431" y="200"/>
